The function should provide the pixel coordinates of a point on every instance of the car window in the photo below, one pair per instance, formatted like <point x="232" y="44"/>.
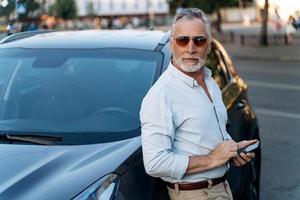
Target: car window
<point x="5" y="72"/>
<point x="216" y="65"/>
<point x="75" y="90"/>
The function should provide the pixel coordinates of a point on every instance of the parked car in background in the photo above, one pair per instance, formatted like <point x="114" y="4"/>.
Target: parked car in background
<point x="69" y="114"/>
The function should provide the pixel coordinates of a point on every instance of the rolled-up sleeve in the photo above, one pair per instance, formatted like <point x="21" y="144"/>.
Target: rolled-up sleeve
<point x="157" y="136"/>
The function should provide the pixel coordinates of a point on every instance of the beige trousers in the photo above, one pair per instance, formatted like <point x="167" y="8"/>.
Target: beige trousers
<point x="218" y="192"/>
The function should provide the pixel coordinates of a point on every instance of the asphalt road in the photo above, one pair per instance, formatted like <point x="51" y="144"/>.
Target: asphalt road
<point x="274" y="92"/>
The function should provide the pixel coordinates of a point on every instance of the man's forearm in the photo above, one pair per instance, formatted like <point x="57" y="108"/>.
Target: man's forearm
<point x="218" y="157"/>
<point x="200" y="164"/>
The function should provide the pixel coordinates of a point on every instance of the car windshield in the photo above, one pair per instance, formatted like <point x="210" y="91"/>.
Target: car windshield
<point x="74" y="92"/>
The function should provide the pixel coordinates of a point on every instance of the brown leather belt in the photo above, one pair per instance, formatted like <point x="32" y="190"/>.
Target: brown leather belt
<point x="197" y="185"/>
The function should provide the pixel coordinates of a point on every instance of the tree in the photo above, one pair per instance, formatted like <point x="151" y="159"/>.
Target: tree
<point x="90" y="9"/>
<point x="209" y="6"/>
<point x="264" y="27"/>
<point x="31" y="6"/>
<point x="65" y="9"/>
<point x="7" y="10"/>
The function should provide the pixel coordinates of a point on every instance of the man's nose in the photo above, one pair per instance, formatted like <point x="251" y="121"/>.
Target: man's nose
<point x="191" y="47"/>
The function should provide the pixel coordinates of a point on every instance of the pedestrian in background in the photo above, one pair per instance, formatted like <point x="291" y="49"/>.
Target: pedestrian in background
<point x="290" y="29"/>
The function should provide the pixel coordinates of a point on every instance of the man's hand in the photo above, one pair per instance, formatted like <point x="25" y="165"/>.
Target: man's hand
<point x="218" y="157"/>
<point x="243" y="158"/>
<point x="224" y="152"/>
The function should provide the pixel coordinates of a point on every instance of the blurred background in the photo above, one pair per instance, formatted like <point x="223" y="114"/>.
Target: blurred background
<point x="27" y="15"/>
<point x="262" y="37"/>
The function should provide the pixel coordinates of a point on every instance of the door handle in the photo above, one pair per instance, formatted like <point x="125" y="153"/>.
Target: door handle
<point x="241" y="103"/>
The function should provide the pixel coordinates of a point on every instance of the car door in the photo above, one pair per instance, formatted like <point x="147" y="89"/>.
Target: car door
<point x="242" y="123"/>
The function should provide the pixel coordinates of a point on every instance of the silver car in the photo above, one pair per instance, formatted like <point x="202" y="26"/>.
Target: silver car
<point x="69" y="114"/>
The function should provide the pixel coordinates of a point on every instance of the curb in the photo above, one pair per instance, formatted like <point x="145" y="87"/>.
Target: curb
<point x="268" y="58"/>
<point x="276" y="53"/>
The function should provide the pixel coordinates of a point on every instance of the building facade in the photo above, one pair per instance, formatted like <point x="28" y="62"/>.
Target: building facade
<point x="120" y="7"/>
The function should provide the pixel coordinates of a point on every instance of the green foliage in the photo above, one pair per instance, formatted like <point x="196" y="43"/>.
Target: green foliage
<point x="90" y="8"/>
<point x="65" y="9"/>
<point x="8" y="9"/>
<point x="31" y="6"/>
<point x="208" y="6"/>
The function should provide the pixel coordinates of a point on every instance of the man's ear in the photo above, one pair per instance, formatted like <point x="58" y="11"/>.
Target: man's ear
<point x="171" y="45"/>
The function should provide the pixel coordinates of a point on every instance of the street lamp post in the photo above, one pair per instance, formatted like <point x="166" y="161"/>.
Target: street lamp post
<point x="4" y="3"/>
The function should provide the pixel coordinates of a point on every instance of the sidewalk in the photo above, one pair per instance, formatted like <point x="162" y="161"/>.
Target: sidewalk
<point x="280" y="52"/>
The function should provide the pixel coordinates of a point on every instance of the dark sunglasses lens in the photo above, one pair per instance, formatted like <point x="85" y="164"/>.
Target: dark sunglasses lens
<point x="182" y="41"/>
<point x="199" y="41"/>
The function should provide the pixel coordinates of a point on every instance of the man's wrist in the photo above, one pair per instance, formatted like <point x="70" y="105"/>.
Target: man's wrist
<point x="211" y="161"/>
<point x="215" y="161"/>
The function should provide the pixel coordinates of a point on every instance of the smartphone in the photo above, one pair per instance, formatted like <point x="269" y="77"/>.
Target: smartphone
<point x="249" y="148"/>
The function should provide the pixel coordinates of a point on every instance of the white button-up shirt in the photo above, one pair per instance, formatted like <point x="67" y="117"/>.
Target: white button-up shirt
<point x="178" y="120"/>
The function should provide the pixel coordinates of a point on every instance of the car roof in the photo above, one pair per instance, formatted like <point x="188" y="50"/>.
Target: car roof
<point x="88" y="39"/>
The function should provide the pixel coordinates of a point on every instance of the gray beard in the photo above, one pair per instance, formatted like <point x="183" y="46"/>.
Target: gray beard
<point x="193" y="68"/>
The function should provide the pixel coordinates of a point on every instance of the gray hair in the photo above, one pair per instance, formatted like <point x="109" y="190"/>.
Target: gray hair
<point x="191" y="13"/>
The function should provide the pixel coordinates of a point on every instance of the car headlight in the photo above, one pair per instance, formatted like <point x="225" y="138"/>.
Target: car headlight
<point x="103" y="189"/>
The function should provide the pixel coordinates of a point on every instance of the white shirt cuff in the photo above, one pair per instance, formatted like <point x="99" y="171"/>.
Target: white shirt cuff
<point x="180" y="167"/>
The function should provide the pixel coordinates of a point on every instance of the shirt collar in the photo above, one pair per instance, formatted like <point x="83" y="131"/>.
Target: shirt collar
<point x="185" y="78"/>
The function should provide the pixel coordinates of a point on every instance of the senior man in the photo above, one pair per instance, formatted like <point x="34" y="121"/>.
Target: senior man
<point x="183" y="119"/>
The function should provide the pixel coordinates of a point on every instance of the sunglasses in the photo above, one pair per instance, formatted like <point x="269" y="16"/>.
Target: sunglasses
<point x="198" y="41"/>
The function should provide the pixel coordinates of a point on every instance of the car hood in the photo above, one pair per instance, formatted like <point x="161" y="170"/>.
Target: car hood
<point x="58" y="172"/>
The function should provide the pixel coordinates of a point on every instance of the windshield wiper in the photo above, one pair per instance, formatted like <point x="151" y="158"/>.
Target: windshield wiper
<point x="35" y="139"/>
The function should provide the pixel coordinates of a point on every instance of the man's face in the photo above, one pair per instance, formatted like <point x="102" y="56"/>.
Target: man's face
<point x="190" y="57"/>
